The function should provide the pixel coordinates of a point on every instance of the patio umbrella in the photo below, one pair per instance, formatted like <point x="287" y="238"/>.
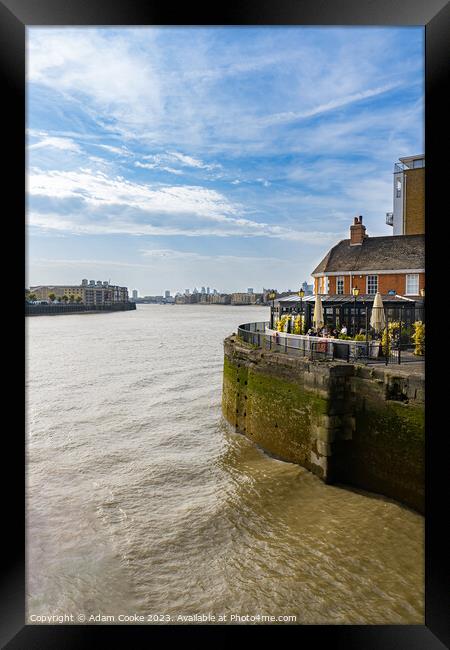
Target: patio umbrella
<point x="318" y="313"/>
<point x="377" y="319"/>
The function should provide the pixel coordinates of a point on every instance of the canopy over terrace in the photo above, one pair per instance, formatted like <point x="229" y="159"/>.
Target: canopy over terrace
<point x="345" y="309"/>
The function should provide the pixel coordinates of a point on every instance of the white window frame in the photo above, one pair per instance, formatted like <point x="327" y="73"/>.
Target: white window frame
<point x="371" y="293"/>
<point x="408" y="292"/>
<point x="340" y="278"/>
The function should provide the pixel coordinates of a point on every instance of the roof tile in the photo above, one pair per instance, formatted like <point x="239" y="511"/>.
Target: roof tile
<point x="389" y="253"/>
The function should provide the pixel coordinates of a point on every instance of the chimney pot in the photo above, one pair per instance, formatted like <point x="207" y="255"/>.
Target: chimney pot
<point x="357" y="232"/>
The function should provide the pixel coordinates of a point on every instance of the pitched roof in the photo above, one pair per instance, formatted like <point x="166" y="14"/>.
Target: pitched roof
<point x="389" y="253"/>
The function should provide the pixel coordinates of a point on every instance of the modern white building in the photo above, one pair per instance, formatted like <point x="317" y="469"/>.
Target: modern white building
<point x="408" y="216"/>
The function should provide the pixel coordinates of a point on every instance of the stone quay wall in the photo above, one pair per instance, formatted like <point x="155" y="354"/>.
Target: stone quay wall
<point x="346" y="423"/>
<point x="51" y="310"/>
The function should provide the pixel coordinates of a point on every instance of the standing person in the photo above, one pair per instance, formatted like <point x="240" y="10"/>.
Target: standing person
<point x="344" y="329"/>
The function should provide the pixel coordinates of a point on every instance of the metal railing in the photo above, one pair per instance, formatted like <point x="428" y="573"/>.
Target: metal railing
<point x="324" y="349"/>
<point x="314" y="348"/>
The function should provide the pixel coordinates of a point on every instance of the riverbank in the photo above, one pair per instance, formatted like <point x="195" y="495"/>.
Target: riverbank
<point x="344" y="422"/>
<point x="54" y="310"/>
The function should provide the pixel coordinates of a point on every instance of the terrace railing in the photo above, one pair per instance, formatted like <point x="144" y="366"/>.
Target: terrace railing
<point x="325" y="349"/>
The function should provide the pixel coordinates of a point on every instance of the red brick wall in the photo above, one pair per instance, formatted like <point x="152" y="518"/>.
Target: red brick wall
<point x="386" y="283"/>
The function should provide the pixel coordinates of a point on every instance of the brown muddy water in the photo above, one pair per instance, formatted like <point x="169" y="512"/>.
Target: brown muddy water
<point x="142" y="503"/>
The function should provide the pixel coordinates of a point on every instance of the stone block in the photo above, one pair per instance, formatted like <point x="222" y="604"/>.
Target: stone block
<point x="319" y="464"/>
<point x="322" y="433"/>
<point x="323" y="448"/>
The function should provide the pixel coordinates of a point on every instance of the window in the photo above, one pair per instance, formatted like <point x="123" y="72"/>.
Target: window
<point x="398" y="189"/>
<point x="412" y="284"/>
<point x="372" y="284"/>
<point x="340" y="285"/>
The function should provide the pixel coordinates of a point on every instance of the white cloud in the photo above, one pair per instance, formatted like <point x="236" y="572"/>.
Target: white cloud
<point x="120" y="151"/>
<point x="170" y="170"/>
<point x="328" y="106"/>
<point x="87" y="63"/>
<point x="98" y="189"/>
<point x="189" y="161"/>
<point x="64" y="144"/>
<point x="171" y="254"/>
<point x="115" y="205"/>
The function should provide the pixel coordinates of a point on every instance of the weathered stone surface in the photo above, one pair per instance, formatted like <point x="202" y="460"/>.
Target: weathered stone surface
<point x="345" y="423"/>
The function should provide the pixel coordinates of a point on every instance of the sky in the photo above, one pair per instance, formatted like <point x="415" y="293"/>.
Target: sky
<point x="231" y="157"/>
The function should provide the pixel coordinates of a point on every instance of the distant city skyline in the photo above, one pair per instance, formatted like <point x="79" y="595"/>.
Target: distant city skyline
<point x="213" y="290"/>
<point x="162" y="156"/>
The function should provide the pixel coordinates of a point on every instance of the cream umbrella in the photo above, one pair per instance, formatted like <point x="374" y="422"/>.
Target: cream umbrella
<point x="377" y="318"/>
<point x="318" y="313"/>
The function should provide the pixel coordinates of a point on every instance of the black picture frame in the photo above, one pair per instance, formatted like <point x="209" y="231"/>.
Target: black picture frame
<point x="434" y="15"/>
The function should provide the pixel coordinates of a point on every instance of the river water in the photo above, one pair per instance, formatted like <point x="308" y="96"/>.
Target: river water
<point x="141" y="501"/>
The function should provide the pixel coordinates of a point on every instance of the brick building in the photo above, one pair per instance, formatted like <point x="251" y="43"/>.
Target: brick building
<point x="91" y="292"/>
<point x="391" y="265"/>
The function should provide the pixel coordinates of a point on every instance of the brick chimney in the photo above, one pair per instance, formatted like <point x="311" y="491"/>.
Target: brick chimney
<point x="357" y="232"/>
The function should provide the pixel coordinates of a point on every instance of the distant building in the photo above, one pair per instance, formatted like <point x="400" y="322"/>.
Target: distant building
<point x="207" y="290"/>
<point x="307" y="288"/>
<point x="134" y="294"/>
<point x="246" y="298"/>
<point x="203" y="290"/>
<point x="166" y="294"/>
<point x="42" y="292"/>
<point x="92" y="293"/>
<point x="152" y="299"/>
<point x="249" y="290"/>
<point x="408" y="216"/>
<point x="220" y="298"/>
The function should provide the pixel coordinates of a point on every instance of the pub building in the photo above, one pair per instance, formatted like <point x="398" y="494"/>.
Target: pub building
<point x="354" y="270"/>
